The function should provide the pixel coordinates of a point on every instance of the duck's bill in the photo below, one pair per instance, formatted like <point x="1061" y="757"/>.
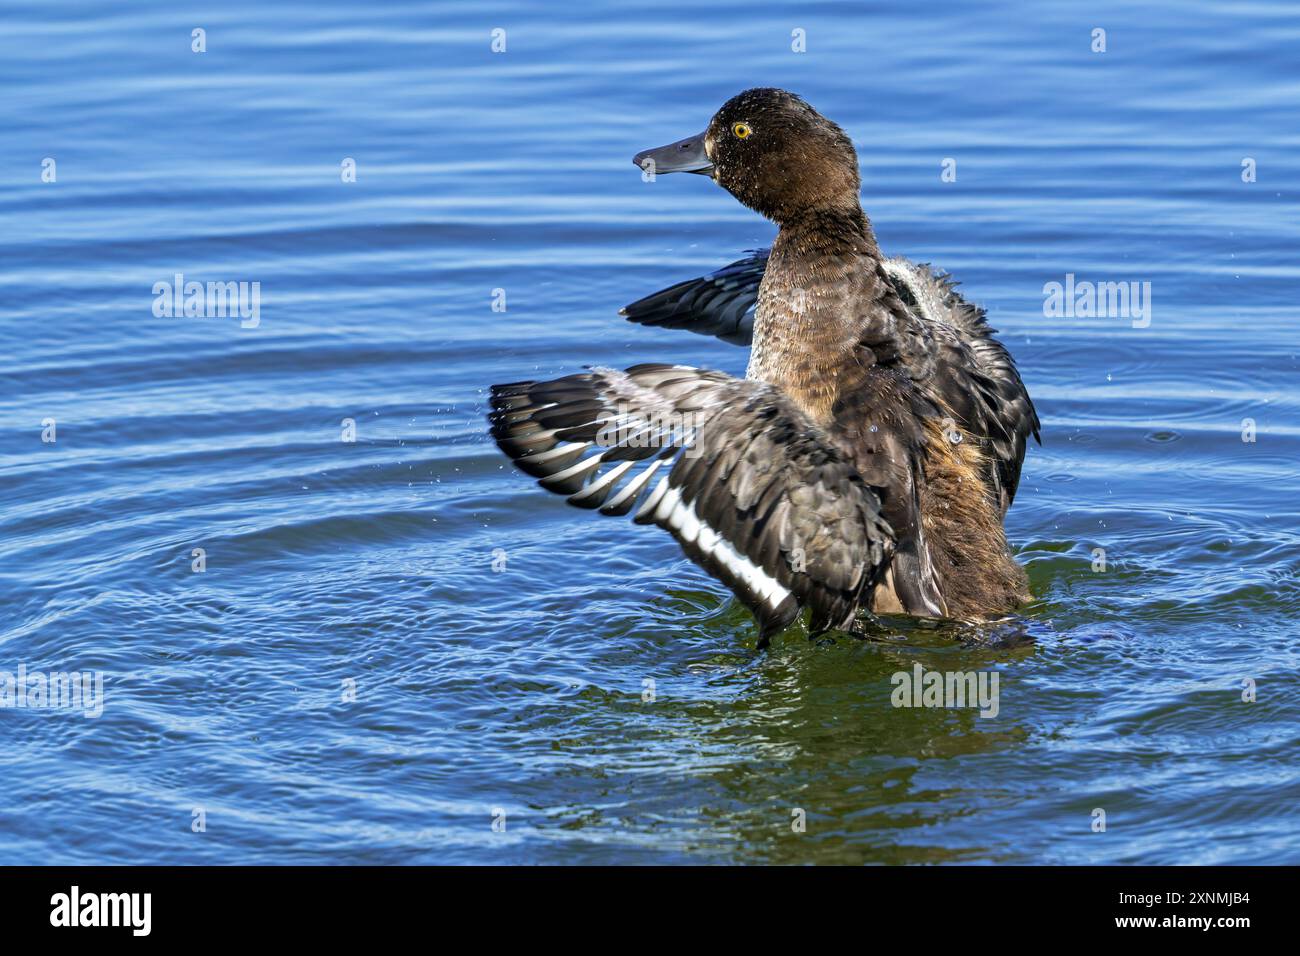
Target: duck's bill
<point x="684" y="156"/>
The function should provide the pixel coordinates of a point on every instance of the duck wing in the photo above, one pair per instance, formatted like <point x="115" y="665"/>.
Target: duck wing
<point x="973" y="373"/>
<point x="753" y="491"/>
<point x="720" y="303"/>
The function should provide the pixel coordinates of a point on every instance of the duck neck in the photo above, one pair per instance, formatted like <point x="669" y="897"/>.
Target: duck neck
<point x="842" y="228"/>
<point x="822" y="272"/>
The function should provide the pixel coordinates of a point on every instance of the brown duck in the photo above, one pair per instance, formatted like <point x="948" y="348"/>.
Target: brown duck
<point x="869" y="455"/>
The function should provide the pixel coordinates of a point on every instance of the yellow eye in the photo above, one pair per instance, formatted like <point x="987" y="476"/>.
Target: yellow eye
<point x="741" y="130"/>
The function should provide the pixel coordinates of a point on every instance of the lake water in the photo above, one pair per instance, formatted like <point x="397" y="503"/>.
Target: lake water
<point x="348" y="680"/>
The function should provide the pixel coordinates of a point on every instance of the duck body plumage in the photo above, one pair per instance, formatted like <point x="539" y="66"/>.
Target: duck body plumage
<point x="970" y="370"/>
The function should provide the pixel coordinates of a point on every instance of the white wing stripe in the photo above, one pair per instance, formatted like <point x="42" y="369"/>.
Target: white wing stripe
<point x="651" y="502"/>
<point x="633" y="488"/>
<point x="597" y="487"/>
<point x="559" y="451"/>
<point x="682" y="519"/>
<point x="582" y="467"/>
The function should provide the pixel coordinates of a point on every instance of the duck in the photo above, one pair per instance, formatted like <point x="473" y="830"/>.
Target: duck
<point x="865" y="463"/>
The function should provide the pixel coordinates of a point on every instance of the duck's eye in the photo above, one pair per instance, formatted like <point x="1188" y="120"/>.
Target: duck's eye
<point x="741" y="130"/>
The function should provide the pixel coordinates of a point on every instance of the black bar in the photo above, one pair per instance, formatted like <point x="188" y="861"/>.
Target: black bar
<point x="331" y="905"/>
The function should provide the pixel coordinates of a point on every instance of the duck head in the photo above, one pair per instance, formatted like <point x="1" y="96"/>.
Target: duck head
<point x="770" y="150"/>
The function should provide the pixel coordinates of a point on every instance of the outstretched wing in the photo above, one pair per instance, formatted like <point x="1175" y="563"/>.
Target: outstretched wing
<point x="720" y="303"/>
<point x="974" y="374"/>
<point x="753" y="491"/>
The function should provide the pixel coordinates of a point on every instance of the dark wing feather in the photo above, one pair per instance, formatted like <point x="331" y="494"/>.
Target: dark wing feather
<point x="974" y="373"/>
<point x="720" y="303"/>
<point x="880" y="418"/>
<point x="753" y="491"/>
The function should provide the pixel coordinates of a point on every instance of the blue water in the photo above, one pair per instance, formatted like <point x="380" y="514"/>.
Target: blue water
<point x="365" y="568"/>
